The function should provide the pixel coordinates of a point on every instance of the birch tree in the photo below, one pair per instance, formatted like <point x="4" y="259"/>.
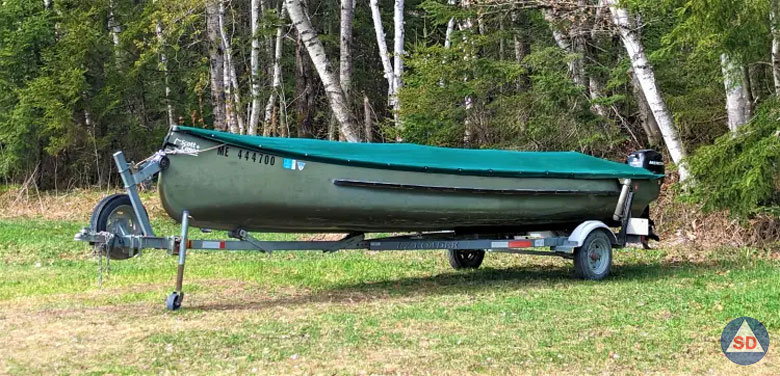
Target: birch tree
<point x="398" y="57"/>
<point x="646" y="77"/>
<point x="576" y="66"/>
<point x="384" y="56"/>
<point x="113" y="26"/>
<point x="254" y="67"/>
<point x="345" y="47"/>
<point x="268" y="124"/>
<point x="774" y="23"/>
<point x="393" y="71"/>
<point x="336" y="97"/>
<point x="216" y="65"/>
<point x="450" y="28"/>
<point x="646" y="118"/>
<point x="232" y="95"/>
<point x="164" y="67"/>
<point x="736" y="103"/>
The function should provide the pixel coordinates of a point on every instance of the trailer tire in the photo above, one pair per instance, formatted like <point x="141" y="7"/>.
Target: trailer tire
<point x="111" y="212"/>
<point x="593" y="259"/>
<point x="465" y="258"/>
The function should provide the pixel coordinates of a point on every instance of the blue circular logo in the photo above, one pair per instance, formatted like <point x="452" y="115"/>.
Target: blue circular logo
<point x="744" y="340"/>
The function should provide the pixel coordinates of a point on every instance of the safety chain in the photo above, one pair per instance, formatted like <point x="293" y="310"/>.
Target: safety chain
<point x="100" y="252"/>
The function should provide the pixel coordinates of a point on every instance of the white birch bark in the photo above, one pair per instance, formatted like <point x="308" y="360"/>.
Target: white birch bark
<point x="164" y="65"/>
<point x="230" y="110"/>
<point x="384" y="56"/>
<point x="46" y="4"/>
<point x="398" y="62"/>
<point x="649" y="125"/>
<point x="345" y="47"/>
<point x="277" y="74"/>
<point x="646" y="77"/>
<point x="113" y="25"/>
<point x="216" y="65"/>
<point x="114" y="30"/>
<point x="596" y="93"/>
<point x="450" y="28"/>
<point x="232" y="95"/>
<point x="367" y="120"/>
<point x="336" y="98"/>
<point x="774" y="13"/>
<point x="254" y="68"/>
<point x="576" y="65"/>
<point x="735" y="95"/>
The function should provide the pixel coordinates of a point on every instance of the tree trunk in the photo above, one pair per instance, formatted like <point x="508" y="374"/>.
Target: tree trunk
<point x="576" y="65"/>
<point x="646" y="77"/>
<point x="230" y="111"/>
<point x="113" y="25"/>
<point x="735" y="95"/>
<point x="747" y="92"/>
<point x="596" y="92"/>
<point x="384" y="56"/>
<point x="164" y="66"/>
<point x="522" y="45"/>
<point x="304" y="92"/>
<point x="469" y="54"/>
<point x="254" y="62"/>
<point x="649" y="125"/>
<point x="232" y="95"/>
<point x="276" y="74"/>
<point x="576" y="43"/>
<point x="216" y="65"/>
<point x="367" y="120"/>
<point x="398" y="61"/>
<point x="336" y="98"/>
<point x="450" y="28"/>
<point x="345" y="47"/>
<point x="774" y="13"/>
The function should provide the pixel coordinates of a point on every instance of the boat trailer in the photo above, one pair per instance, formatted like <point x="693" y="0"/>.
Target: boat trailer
<point x="120" y="229"/>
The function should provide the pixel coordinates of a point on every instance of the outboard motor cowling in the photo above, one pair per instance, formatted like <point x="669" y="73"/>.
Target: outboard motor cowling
<point x="648" y="159"/>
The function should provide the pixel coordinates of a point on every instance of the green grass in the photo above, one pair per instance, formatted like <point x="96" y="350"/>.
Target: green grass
<point x="382" y="313"/>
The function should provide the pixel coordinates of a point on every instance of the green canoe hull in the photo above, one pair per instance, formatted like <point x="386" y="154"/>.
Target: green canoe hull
<point x="228" y="187"/>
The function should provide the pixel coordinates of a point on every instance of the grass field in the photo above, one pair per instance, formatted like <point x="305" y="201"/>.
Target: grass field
<point x="370" y="313"/>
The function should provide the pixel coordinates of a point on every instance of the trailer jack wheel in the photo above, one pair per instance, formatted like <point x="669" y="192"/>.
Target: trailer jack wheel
<point x="465" y="258"/>
<point x="174" y="301"/>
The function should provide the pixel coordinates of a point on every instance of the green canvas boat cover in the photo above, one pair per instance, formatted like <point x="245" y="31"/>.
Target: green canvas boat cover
<point x="413" y="157"/>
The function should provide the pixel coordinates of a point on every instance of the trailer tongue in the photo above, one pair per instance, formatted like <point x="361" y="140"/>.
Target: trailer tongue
<point x="511" y="202"/>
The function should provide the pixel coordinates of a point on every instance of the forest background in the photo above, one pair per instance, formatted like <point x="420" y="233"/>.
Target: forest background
<point x="695" y="79"/>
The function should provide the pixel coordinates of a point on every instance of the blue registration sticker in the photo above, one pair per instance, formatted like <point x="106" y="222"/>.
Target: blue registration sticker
<point x="293" y="164"/>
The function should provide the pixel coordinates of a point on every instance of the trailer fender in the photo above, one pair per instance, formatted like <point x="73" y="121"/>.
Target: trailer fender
<point x="582" y="231"/>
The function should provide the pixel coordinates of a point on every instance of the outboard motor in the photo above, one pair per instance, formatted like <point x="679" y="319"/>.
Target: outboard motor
<point x="651" y="160"/>
<point x="648" y="159"/>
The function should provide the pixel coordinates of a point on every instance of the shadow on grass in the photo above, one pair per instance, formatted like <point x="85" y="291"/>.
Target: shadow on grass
<point x="471" y="282"/>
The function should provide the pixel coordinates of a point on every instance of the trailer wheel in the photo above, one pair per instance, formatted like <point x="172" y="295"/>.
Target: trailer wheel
<point x="594" y="258"/>
<point x="115" y="215"/>
<point x="465" y="258"/>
